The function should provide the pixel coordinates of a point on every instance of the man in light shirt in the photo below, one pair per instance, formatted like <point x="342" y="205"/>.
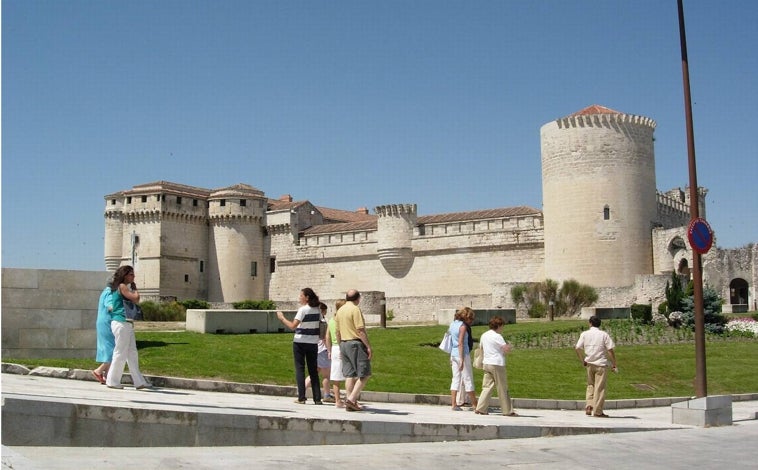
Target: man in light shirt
<point x="595" y="349"/>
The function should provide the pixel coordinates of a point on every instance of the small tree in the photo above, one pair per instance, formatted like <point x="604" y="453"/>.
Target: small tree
<point x="674" y="293"/>
<point x="713" y="319"/>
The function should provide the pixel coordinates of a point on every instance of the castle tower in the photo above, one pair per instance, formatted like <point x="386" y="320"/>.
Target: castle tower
<point x="394" y="231"/>
<point x="236" y="261"/>
<point x="599" y="197"/>
<point x="114" y="230"/>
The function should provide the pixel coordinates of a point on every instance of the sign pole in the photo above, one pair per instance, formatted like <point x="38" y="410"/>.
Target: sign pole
<point x="697" y="272"/>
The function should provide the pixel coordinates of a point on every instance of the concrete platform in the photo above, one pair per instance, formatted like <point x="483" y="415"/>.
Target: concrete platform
<point x="44" y="419"/>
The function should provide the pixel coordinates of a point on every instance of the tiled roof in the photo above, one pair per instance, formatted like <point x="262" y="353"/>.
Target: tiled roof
<point x="345" y="216"/>
<point x="428" y="219"/>
<point x="595" y="109"/>
<point x="478" y="215"/>
<point x="278" y="205"/>
<point x="169" y="187"/>
<point x="238" y="190"/>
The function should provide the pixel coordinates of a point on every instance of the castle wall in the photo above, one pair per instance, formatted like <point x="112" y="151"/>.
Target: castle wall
<point x="591" y="163"/>
<point x="721" y="267"/>
<point x="460" y="266"/>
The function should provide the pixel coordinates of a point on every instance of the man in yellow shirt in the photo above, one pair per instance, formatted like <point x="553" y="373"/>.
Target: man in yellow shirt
<point x="355" y="348"/>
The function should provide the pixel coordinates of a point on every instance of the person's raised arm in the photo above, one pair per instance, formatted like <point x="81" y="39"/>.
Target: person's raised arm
<point x="289" y="324"/>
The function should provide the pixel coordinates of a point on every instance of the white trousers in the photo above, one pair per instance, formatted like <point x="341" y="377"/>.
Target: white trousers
<point x="465" y="376"/>
<point x="125" y="353"/>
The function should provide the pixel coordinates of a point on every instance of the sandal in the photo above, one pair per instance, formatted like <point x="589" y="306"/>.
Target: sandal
<point x="98" y="377"/>
<point x="588" y="410"/>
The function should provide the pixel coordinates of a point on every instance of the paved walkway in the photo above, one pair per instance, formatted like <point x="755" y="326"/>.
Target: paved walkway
<point x="631" y="438"/>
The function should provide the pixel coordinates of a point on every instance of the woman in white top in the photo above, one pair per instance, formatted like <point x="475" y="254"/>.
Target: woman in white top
<point x="494" y="349"/>
<point x="305" y="343"/>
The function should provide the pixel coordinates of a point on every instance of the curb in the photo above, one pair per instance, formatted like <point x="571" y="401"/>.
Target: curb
<point x="385" y="397"/>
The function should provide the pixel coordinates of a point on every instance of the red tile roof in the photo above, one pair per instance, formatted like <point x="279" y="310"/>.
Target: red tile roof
<point x="595" y="109"/>
<point x="370" y="225"/>
<point x="478" y="215"/>
<point x="339" y="215"/>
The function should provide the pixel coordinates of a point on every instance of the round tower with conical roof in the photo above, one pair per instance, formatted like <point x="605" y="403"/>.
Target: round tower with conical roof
<point x="599" y="196"/>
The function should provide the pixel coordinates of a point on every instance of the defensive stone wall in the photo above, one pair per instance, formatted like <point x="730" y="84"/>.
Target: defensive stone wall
<point x="50" y="314"/>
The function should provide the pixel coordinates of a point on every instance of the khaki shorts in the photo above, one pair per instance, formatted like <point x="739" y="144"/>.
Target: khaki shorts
<point x="355" y="362"/>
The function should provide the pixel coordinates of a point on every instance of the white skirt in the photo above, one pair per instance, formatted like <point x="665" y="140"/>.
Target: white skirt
<point x="336" y="372"/>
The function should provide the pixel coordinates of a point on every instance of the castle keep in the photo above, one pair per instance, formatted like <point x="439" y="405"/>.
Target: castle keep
<point x="603" y="223"/>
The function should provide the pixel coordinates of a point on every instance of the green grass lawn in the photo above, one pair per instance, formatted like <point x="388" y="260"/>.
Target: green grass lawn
<point x="542" y="365"/>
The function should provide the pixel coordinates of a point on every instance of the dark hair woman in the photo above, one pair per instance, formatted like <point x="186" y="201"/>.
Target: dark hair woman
<point x="125" y="352"/>
<point x="305" y="342"/>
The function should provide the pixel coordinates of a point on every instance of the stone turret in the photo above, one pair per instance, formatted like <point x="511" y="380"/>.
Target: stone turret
<point x="599" y="196"/>
<point x="395" y="227"/>
<point x="236" y="269"/>
<point x="114" y="230"/>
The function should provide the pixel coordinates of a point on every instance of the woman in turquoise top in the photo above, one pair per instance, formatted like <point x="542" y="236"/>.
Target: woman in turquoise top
<point x="105" y="339"/>
<point x="460" y="357"/>
<point x="125" y="352"/>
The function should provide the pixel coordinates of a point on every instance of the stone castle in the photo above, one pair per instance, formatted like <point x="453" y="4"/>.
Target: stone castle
<point x="603" y="223"/>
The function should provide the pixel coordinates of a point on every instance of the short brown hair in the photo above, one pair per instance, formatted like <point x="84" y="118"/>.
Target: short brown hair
<point x="496" y="322"/>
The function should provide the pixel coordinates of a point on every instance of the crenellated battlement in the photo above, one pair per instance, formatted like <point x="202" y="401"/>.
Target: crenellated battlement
<point x="670" y="203"/>
<point x="395" y="210"/>
<point x="604" y="120"/>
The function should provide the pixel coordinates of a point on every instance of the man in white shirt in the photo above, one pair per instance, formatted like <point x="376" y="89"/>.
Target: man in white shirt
<point x="594" y="349"/>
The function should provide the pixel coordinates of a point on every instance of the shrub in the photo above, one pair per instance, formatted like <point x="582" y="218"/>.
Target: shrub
<point x="390" y="315"/>
<point x="642" y="312"/>
<point x="568" y="300"/>
<point x="663" y="308"/>
<point x="712" y="317"/>
<point x="573" y="296"/>
<point x="195" y="303"/>
<point x="537" y="310"/>
<point x="254" y="305"/>
<point x="171" y="311"/>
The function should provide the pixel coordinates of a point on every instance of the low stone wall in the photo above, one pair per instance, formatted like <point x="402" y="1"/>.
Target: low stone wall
<point x="50" y="313"/>
<point x="607" y="313"/>
<point x="236" y="321"/>
<point x="482" y="317"/>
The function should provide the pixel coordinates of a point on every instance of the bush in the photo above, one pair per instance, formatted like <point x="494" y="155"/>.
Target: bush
<point x="712" y="317"/>
<point x="195" y="304"/>
<point x="642" y="312"/>
<point x="537" y="310"/>
<point x="566" y="301"/>
<point x="663" y="308"/>
<point x="172" y="311"/>
<point x="254" y="305"/>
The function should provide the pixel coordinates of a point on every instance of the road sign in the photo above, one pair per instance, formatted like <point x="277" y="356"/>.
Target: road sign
<point x="700" y="235"/>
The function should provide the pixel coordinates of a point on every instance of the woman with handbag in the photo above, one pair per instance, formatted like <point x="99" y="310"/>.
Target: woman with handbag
<point x="125" y="352"/>
<point x="494" y="349"/>
<point x="460" y="358"/>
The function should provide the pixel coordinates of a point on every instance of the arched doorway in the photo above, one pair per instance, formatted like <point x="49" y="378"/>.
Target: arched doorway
<point x="738" y="295"/>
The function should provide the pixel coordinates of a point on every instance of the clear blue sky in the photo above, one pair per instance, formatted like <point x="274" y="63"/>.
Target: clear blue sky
<point x="352" y="103"/>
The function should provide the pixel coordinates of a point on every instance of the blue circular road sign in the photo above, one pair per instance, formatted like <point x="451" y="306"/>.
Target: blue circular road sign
<point x="700" y="235"/>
